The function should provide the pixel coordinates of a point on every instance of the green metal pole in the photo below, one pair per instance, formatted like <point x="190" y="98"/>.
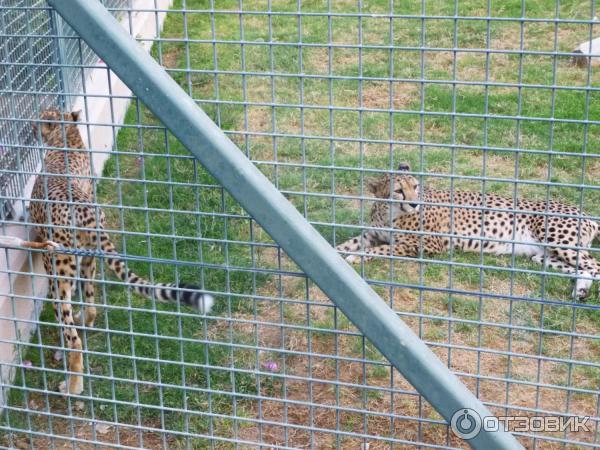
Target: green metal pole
<point x="355" y="298"/>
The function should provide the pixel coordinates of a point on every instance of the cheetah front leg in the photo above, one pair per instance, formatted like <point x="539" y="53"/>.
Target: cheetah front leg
<point x="74" y="382"/>
<point x="581" y="290"/>
<point x="406" y="246"/>
<point x="63" y="312"/>
<point x="363" y="242"/>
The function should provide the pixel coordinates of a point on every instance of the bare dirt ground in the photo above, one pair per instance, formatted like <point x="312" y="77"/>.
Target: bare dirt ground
<point x="336" y="393"/>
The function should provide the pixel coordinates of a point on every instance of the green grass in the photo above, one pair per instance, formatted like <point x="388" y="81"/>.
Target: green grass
<point x="197" y="203"/>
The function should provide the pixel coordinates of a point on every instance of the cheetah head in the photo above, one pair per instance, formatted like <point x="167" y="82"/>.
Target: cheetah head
<point x="401" y="187"/>
<point x="52" y="121"/>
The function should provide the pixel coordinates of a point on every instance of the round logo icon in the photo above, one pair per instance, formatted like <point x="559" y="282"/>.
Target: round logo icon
<point x="466" y="423"/>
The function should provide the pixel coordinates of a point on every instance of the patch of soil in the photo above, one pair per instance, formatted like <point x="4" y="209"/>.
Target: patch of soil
<point x="84" y="435"/>
<point x="380" y="95"/>
<point x="332" y="392"/>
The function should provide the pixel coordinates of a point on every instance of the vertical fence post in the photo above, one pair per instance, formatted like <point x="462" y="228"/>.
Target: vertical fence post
<point x="355" y="298"/>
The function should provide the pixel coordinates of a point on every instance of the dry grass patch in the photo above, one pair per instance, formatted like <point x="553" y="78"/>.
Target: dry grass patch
<point x="330" y="380"/>
<point x="592" y="169"/>
<point x="85" y="435"/>
<point x="171" y="57"/>
<point x="260" y="119"/>
<point x="385" y="95"/>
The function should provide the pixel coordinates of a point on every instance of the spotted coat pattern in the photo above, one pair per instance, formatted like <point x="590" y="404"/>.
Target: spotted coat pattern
<point x="475" y="222"/>
<point x="63" y="208"/>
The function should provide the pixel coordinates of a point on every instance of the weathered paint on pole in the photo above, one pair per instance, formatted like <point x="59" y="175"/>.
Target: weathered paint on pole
<point x="221" y="157"/>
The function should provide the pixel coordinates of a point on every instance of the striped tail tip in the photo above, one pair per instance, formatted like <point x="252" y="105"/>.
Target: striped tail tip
<point x="192" y="296"/>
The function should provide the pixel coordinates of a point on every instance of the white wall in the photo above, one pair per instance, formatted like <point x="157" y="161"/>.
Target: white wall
<point x="17" y="311"/>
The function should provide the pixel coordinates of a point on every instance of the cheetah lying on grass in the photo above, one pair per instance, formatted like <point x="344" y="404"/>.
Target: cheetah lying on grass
<point x="560" y="226"/>
<point x="66" y="214"/>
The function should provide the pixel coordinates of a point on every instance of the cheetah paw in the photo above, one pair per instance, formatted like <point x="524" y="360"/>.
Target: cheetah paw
<point x="582" y="288"/>
<point x="538" y="259"/>
<point x="581" y="293"/>
<point x="75" y="386"/>
<point x="50" y="245"/>
<point x="352" y="259"/>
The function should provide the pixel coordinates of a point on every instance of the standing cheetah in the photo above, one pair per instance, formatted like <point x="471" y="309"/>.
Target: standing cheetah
<point x="524" y="224"/>
<point x="66" y="214"/>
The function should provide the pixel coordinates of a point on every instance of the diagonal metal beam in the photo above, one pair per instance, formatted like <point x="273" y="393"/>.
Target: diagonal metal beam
<point x="221" y="157"/>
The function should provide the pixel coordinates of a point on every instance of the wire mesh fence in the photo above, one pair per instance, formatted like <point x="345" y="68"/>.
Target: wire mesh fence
<point x="75" y="56"/>
<point x="34" y="62"/>
<point x="324" y="97"/>
<point x="17" y="77"/>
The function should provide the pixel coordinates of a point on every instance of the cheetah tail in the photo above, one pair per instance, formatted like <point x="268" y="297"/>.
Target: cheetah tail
<point x="185" y="293"/>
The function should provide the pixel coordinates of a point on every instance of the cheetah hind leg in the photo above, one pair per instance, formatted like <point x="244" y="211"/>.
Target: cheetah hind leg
<point x="582" y="287"/>
<point x="64" y="314"/>
<point x="88" y="274"/>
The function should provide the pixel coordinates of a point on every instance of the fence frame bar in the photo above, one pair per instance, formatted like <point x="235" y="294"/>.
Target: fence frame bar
<point x="222" y="158"/>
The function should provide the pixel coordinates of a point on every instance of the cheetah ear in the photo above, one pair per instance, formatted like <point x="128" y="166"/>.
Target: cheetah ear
<point x="76" y="115"/>
<point x="373" y="185"/>
<point x="403" y="167"/>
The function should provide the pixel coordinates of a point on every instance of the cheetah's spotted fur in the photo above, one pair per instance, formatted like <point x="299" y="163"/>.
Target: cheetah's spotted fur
<point x="66" y="214"/>
<point x="524" y="224"/>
